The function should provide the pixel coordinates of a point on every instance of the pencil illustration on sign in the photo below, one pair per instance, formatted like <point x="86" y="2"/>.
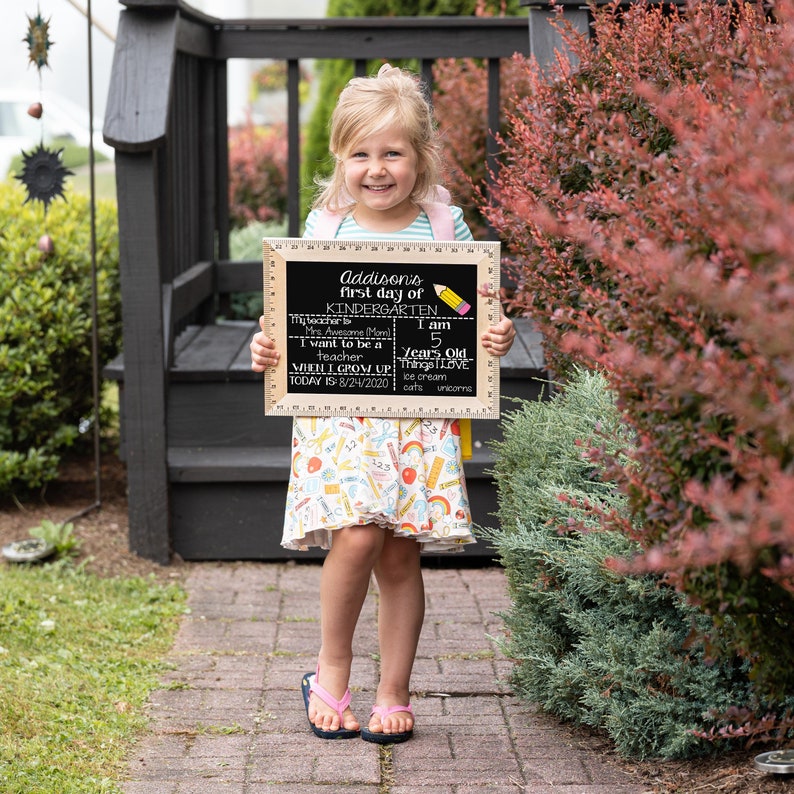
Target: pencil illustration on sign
<point x="452" y="299"/>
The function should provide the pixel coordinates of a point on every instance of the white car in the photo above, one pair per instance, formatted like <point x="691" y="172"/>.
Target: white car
<point x="60" y="119"/>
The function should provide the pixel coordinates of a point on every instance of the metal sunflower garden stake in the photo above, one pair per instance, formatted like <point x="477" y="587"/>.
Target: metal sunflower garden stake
<point x="43" y="172"/>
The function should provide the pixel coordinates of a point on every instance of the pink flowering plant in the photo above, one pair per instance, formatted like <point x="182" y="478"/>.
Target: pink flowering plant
<point x="257" y="173"/>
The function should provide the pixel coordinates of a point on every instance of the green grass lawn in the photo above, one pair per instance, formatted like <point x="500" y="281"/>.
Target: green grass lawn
<point x="79" y="656"/>
<point x="104" y="181"/>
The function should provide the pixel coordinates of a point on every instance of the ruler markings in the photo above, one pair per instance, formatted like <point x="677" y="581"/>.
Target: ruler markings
<point x="350" y="365"/>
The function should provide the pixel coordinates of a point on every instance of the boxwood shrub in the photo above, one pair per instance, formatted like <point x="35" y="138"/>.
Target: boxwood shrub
<point x="46" y="329"/>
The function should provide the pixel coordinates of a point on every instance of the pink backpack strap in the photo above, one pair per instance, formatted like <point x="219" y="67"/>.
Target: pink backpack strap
<point x="436" y="207"/>
<point x="437" y="210"/>
<point x="327" y="224"/>
<point x="441" y="221"/>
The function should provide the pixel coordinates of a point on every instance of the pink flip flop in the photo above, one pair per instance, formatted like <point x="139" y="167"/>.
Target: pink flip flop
<point x="387" y="738"/>
<point x="308" y="685"/>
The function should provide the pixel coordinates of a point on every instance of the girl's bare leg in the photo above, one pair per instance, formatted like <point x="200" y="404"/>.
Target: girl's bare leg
<point x="343" y="587"/>
<point x="400" y="616"/>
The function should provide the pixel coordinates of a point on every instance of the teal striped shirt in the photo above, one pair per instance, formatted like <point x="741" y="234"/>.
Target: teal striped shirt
<point x="419" y="230"/>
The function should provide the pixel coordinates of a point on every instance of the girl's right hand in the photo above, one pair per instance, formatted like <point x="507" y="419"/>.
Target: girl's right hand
<point x="263" y="350"/>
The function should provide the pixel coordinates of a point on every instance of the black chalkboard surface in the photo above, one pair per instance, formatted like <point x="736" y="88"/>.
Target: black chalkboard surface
<point x="381" y="328"/>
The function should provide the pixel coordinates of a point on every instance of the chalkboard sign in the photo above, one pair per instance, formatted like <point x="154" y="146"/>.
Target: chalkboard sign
<point x="381" y="328"/>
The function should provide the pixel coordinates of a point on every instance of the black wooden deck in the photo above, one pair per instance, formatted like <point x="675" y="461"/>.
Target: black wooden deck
<point x="206" y="471"/>
<point x="228" y="463"/>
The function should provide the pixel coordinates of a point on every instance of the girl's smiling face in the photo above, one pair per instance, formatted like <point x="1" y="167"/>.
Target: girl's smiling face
<point x="380" y="172"/>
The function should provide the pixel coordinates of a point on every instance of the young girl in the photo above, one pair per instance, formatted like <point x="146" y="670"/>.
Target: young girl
<point x="387" y="167"/>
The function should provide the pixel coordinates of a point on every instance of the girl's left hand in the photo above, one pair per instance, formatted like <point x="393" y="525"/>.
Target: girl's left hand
<point x="498" y="339"/>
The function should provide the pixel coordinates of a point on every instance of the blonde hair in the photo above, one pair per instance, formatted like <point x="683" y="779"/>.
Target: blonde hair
<point x="366" y="106"/>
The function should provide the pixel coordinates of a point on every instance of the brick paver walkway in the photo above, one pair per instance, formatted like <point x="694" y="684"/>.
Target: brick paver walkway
<point x="229" y="717"/>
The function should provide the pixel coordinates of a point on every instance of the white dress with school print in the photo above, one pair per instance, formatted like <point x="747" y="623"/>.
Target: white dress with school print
<point x="401" y="474"/>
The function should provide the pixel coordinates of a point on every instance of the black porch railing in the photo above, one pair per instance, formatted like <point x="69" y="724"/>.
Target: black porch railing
<point x="167" y="120"/>
<point x="198" y="39"/>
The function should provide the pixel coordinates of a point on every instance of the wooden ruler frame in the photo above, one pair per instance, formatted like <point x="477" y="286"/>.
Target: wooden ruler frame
<point x="293" y="269"/>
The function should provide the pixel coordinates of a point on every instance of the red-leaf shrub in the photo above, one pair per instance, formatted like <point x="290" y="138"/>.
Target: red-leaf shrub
<point x="648" y="197"/>
<point x="460" y="101"/>
<point x="257" y="173"/>
<point x="463" y="126"/>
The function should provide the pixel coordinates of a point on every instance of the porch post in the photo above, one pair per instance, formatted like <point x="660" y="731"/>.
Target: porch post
<point x="136" y="125"/>
<point x="544" y="40"/>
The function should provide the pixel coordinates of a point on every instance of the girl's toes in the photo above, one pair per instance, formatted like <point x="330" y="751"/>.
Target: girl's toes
<point x="398" y="723"/>
<point x="389" y="725"/>
<point x="395" y="722"/>
<point x="351" y="723"/>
